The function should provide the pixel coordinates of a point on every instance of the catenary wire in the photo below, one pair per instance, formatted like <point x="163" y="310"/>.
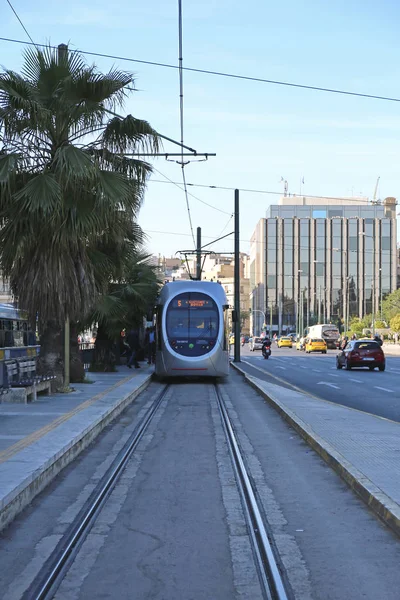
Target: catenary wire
<point x="279" y="245"/>
<point x="219" y="73"/>
<point x="179" y="186"/>
<point x="268" y="192"/>
<point x="21" y="23"/>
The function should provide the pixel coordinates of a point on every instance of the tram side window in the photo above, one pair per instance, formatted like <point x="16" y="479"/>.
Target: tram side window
<point x="226" y="325"/>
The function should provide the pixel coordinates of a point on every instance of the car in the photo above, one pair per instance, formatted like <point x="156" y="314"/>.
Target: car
<point x="315" y="345"/>
<point x="231" y="339"/>
<point x="361" y="353"/>
<point x="293" y="336"/>
<point x="255" y="344"/>
<point x="284" y="342"/>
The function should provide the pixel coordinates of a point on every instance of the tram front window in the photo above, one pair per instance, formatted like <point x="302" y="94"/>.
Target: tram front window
<point x="192" y="323"/>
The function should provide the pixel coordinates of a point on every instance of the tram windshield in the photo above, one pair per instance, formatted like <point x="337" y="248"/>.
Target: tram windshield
<point x="192" y="323"/>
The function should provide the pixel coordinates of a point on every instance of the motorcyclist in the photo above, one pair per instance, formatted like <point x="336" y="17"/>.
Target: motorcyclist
<point x="266" y="344"/>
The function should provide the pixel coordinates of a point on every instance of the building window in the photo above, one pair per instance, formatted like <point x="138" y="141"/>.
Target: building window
<point x="319" y="214"/>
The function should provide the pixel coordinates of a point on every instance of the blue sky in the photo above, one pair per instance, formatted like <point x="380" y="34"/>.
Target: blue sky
<point x="260" y="132"/>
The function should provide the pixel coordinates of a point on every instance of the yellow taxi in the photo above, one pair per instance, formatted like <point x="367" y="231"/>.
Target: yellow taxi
<point x="284" y="342"/>
<point x="315" y="345"/>
<point x="231" y="339"/>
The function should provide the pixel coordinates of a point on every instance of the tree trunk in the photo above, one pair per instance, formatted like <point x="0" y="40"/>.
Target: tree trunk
<point x="104" y="352"/>
<point x="77" y="372"/>
<point x="51" y="359"/>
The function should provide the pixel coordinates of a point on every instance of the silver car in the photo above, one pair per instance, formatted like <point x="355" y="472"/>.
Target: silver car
<point x="256" y="344"/>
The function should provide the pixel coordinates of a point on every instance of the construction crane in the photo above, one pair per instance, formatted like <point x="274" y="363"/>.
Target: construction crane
<point x="374" y="200"/>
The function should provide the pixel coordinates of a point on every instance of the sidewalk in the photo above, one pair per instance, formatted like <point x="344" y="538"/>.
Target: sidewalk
<point x="37" y="440"/>
<point x="362" y="448"/>
<point x="391" y="349"/>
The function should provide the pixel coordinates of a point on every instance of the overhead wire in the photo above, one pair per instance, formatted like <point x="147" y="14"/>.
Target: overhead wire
<point x="180" y="61"/>
<point x="220" y="73"/>
<point x="286" y="246"/>
<point x="274" y="193"/>
<point x="179" y="186"/>
<point x="21" y="23"/>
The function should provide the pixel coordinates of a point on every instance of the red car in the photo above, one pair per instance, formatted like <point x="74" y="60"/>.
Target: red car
<point x="361" y="353"/>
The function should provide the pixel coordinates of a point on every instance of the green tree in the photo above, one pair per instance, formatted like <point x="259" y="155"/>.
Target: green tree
<point x="123" y="306"/>
<point x="64" y="183"/>
<point x="391" y="305"/>
<point x="395" y="323"/>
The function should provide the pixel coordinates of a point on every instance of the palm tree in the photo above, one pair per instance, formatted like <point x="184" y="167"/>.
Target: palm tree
<point x="64" y="182"/>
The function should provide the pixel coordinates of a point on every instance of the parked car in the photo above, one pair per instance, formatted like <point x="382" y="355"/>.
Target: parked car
<point x="315" y="345"/>
<point x="361" y="353"/>
<point x="284" y="342"/>
<point x="256" y="343"/>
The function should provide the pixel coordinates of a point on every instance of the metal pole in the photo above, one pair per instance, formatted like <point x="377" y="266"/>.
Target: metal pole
<point x="66" y="353"/>
<point x="373" y="309"/>
<point x="198" y="254"/>
<point x="62" y="55"/>
<point x="319" y="305"/>
<point x="308" y="308"/>
<point x="237" y="280"/>
<point x="380" y="289"/>
<point x="270" y="320"/>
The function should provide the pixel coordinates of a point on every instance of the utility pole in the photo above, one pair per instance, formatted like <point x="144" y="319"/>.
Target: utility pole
<point x="237" y="281"/>
<point x="270" y="320"/>
<point x="319" y="305"/>
<point x="62" y="55"/>
<point x="198" y="255"/>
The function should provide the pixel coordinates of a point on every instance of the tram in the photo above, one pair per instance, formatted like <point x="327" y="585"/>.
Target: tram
<point x="191" y="321"/>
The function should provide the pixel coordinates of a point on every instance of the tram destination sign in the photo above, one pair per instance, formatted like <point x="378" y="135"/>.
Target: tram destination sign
<point x="188" y="303"/>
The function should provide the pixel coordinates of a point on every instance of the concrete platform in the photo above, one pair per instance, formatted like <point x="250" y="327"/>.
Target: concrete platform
<point x="39" y="439"/>
<point x="364" y="449"/>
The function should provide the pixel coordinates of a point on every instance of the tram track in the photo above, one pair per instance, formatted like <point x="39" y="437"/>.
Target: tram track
<point x="51" y="575"/>
<point x="48" y="580"/>
<point x="270" y="576"/>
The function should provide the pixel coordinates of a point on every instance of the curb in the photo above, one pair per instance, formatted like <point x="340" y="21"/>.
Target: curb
<point x="382" y="505"/>
<point x="21" y="496"/>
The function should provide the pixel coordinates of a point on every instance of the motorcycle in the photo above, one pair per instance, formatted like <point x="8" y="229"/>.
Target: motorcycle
<point x="266" y="352"/>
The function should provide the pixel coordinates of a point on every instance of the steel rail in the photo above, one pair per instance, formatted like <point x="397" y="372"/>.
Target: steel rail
<point x="270" y="575"/>
<point x="46" y="584"/>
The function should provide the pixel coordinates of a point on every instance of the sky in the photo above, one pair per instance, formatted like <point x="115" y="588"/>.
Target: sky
<point x="260" y="132"/>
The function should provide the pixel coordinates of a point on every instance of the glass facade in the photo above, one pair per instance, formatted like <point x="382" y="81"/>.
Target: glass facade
<point x="340" y="259"/>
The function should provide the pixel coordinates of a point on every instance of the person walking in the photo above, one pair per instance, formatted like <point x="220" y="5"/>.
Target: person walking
<point x="133" y="343"/>
<point x="151" y="346"/>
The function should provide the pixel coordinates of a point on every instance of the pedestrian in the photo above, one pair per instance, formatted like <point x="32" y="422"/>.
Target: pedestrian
<point x="151" y="346"/>
<point x="396" y="338"/>
<point x="133" y="343"/>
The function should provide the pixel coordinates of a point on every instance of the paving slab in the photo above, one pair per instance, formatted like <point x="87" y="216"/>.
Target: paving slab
<point x="39" y="439"/>
<point x="363" y="448"/>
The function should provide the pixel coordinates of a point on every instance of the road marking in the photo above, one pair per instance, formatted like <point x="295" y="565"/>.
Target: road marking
<point x="383" y="389"/>
<point x="329" y="384"/>
<point x="356" y="380"/>
<point x="316" y="371"/>
<point x="283" y="368"/>
<point x="332" y="375"/>
<point x="303" y="367"/>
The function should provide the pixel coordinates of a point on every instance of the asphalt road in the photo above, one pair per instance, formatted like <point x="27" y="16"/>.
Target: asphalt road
<point x="370" y="391"/>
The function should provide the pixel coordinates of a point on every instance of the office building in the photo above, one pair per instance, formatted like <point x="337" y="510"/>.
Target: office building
<point x="337" y="258"/>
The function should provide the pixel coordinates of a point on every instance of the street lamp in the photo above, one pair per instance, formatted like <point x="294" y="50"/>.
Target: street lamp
<point x="373" y="286"/>
<point x="380" y="289"/>
<point x="299" y="305"/>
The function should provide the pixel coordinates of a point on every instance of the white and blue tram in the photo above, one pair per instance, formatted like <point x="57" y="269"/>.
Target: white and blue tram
<point x="191" y="330"/>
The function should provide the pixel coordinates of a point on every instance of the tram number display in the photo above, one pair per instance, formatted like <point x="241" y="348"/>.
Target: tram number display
<point x="186" y="303"/>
